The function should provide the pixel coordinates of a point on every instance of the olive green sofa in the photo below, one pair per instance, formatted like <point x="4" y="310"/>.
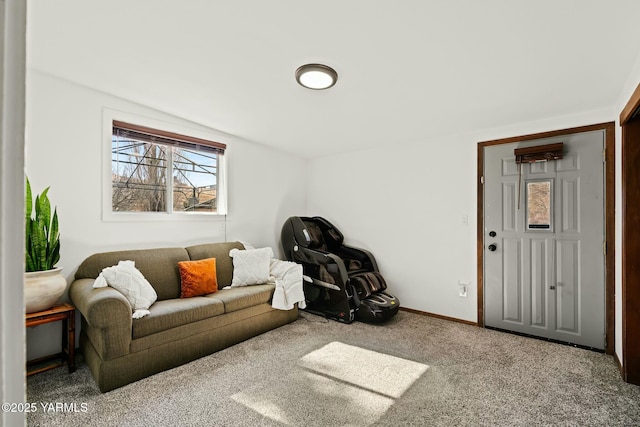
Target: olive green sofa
<point x="120" y="350"/>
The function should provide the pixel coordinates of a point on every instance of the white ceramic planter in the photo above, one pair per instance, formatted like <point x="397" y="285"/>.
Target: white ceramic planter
<point x="42" y="289"/>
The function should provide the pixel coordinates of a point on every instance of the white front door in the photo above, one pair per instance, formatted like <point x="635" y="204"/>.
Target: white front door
<point x="544" y="271"/>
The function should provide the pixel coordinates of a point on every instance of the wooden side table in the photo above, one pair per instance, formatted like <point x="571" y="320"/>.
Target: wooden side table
<point x="66" y="313"/>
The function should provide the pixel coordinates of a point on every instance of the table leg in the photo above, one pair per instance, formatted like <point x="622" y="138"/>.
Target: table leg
<point x="64" y="356"/>
<point x="72" y="341"/>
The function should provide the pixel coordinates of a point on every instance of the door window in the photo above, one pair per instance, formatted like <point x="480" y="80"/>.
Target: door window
<point x="539" y="209"/>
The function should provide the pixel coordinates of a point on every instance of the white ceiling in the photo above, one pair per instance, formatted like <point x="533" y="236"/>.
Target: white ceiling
<point x="409" y="70"/>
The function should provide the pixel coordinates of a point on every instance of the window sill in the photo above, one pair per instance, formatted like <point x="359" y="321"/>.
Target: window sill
<point x="162" y="217"/>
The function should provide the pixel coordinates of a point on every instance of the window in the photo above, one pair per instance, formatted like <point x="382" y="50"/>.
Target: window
<point x="539" y="205"/>
<point x="158" y="171"/>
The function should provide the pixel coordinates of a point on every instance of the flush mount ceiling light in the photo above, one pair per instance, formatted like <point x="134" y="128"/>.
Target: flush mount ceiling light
<point x="316" y="76"/>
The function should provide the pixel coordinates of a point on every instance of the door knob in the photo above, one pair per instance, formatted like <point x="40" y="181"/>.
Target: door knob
<point x="492" y="233"/>
<point x="493" y="247"/>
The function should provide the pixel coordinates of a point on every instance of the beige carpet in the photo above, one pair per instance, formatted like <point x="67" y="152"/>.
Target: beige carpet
<point x="413" y="371"/>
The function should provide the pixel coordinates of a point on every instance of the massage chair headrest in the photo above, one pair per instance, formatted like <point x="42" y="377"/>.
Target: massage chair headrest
<point x="316" y="239"/>
<point x="332" y="236"/>
<point x="315" y="233"/>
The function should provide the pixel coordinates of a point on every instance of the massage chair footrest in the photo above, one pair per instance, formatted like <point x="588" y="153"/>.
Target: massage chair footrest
<point x="378" y="308"/>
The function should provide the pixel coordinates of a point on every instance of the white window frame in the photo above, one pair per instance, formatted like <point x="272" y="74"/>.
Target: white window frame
<point x="108" y="215"/>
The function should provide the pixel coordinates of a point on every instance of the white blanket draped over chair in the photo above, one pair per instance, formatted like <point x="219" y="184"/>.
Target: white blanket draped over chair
<point x="287" y="276"/>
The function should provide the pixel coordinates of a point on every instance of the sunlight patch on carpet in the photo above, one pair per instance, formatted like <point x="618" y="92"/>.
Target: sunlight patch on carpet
<point x="314" y="400"/>
<point x="378" y="372"/>
<point x="338" y="384"/>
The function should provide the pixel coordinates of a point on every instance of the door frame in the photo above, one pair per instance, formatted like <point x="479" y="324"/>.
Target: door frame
<point x="609" y="220"/>
<point x="630" y="149"/>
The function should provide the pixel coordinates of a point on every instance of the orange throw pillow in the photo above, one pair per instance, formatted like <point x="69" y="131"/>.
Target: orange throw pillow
<point x="198" y="277"/>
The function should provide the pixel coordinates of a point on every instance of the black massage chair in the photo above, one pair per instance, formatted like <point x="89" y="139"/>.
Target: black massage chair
<point x="340" y="282"/>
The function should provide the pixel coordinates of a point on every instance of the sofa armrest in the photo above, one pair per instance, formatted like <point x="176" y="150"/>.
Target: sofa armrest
<point x="107" y="314"/>
<point x="101" y="307"/>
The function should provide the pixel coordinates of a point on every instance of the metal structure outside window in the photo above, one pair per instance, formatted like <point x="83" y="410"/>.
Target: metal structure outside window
<point x="157" y="171"/>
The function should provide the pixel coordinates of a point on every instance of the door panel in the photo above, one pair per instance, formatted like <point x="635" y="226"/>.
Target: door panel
<point x="512" y="283"/>
<point x="509" y="167"/>
<point x="546" y="274"/>
<point x="570" y="206"/>
<point x="568" y="163"/>
<point x="509" y="206"/>
<point x="538" y="167"/>
<point x="567" y="286"/>
<point x="539" y="281"/>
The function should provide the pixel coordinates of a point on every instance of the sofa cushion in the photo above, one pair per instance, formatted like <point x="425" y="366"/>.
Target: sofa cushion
<point x="171" y="313"/>
<point x="243" y="297"/>
<point x="219" y="251"/>
<point x="158" y="266"/>
<point x="197" y="278"/>
<point x="206" y="327"/>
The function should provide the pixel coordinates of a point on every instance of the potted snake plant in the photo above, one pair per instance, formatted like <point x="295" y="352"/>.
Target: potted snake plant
<point x="44" y="283"/>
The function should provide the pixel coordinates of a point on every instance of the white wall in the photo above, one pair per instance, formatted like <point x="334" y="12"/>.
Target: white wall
<point x="414" y="207"/>
<point x="406" y="205"/>
<point x="64" y="150"/>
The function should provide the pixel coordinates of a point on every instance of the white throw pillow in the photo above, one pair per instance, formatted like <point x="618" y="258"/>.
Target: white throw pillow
<point x="129" y="281"/>
<point x="250" y="266"/>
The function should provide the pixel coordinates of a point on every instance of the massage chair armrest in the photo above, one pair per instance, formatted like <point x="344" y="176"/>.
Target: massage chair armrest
<point x="360" y="254"/>
<point x="320" y="283"/>
<point x="326" y="259"/>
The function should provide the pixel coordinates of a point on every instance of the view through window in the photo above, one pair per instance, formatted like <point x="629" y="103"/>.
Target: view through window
<point x="157" y="171"/>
